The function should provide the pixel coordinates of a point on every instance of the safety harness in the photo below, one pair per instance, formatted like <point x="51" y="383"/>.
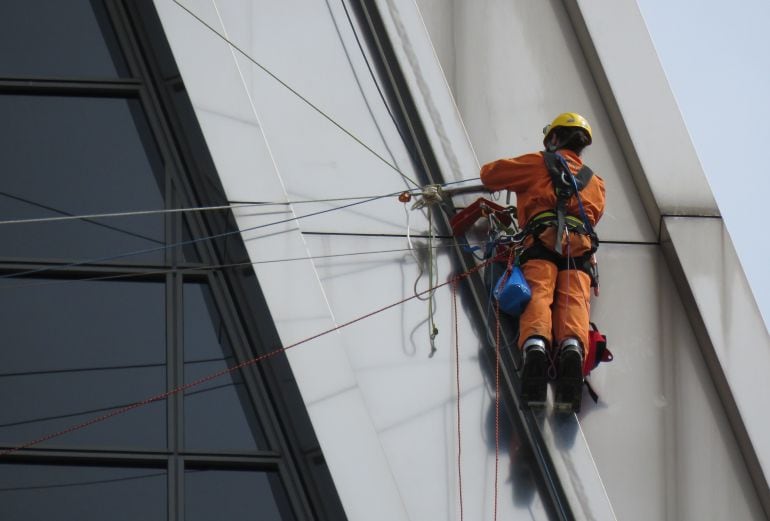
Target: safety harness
<point x="565" y="186"/>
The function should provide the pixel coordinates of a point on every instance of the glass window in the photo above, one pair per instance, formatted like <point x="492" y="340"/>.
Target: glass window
<point x="66" y="156"/>
<point x="84" y="493"/>
<point x="235" y="494"/>
<point x="51" y="38"/>
<point x="220" y="413"/>
<point x="190" y="252"/>
<point x="74" y="350"/>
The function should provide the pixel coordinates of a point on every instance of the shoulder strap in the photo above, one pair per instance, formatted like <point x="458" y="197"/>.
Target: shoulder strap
<point x="584" y="176"/>
<point x="555" y="164"/>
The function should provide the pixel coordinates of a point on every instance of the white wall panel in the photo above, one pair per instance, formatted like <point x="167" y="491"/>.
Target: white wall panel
<point x="517" y="65"/>
<point x="361" y="471"/>
<point x="239" y="152"/>
<point x="659" y="435"/>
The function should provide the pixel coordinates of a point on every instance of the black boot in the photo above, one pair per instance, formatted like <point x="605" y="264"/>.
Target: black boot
<point x="534" y="379"/>
<point x="568" y="391"/>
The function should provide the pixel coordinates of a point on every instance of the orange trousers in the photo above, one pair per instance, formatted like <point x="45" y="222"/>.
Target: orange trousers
<point x="560" y="305"/>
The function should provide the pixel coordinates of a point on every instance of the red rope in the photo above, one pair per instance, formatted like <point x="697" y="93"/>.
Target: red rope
<point x="232" y="369"/>
<point x="497" y="400"/>
<point x="457" y="377"/>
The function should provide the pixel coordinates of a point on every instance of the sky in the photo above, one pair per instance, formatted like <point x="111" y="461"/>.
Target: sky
<point x="716" y="55"/>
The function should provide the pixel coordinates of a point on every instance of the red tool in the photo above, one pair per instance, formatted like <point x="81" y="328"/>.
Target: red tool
<point x="481" y="207"/>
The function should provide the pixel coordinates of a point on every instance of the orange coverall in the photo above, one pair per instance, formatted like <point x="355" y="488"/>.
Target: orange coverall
<point x="565" y="294"/>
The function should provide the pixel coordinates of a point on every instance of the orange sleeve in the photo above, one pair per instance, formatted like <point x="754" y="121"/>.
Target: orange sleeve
<point x="511" y="174"/>
<point x="594" y="197"/>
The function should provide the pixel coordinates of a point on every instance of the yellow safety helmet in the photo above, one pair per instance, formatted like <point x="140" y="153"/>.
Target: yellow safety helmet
<point x="568" y="119"/>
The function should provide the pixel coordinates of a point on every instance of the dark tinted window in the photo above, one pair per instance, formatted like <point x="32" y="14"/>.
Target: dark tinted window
<point x="55" y="38"/>
<point x="53" y="492"/>
<point x="235" y="494"/>
<point x="74" y="156"/>
<point x="218" y="414"/>
<point x="75" y="350"/>
<point x="79" y="136"/>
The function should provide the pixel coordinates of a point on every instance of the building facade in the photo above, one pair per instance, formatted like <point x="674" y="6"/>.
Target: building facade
<point x="216" y="307"/>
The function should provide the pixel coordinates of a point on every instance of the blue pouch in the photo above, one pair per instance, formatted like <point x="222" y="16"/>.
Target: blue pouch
<point x="512" y="291"/>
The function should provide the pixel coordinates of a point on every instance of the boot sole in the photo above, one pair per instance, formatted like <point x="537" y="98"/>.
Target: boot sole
<point x="534" y="381"/>
<point x="568" y="393"/>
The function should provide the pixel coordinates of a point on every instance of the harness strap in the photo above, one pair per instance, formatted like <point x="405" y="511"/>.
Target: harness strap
<point x="558" y="169"/>
<point x="543" y="252"/>
<point x="565" y="185"/>
<point x="549" y="218"/>
<point x="561" y="212"/>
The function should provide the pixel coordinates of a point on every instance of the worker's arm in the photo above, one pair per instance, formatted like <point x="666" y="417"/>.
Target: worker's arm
<point x="511" y="174"/>
<point x="473" y="189"/>
<point x="594" y="199"/>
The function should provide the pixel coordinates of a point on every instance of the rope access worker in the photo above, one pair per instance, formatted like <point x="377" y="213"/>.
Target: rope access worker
<point x="559" y="201"/>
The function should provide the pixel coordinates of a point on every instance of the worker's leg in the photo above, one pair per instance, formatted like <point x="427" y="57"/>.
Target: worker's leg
<point x="572" y="305"/>
<point x="571" y="312"/>
<point x="536" y="318"/>
<point x="535" y="331"/>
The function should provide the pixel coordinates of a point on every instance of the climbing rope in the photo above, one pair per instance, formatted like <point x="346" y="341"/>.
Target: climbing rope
<point x="497" y="402"/>
<point x="457" y="379"/>
<point x="430" y="196"/>
<point x="432" y="279"/>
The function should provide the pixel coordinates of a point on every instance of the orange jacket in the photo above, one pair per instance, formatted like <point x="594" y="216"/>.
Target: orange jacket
<point x="528" y="176"/>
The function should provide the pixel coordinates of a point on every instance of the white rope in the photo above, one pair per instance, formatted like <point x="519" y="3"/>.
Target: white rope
<point x="134" y="213"/>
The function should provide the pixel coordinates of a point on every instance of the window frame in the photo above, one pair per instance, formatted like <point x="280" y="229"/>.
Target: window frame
<point x="190" y="180"/>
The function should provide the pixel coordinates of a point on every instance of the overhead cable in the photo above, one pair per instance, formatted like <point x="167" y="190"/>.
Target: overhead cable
<point x="182" y="243"/>
<point x="197" y="240"/>
<point x="66" y="216"/>
<point x="233" y="205"/>
<point x="236" y="205"/>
